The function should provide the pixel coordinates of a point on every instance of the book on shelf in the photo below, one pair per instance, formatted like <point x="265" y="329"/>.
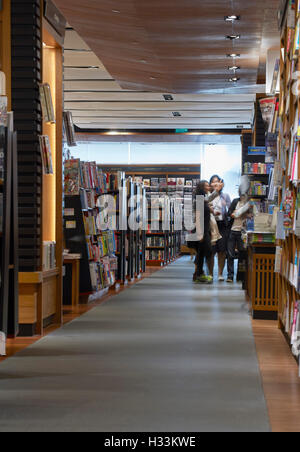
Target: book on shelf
<point x="3" y="111"/>
<point x="138" y="180"/>
<point x="288" y="210"/>
<point x="46" y="154"/>
<point x="180" y="182"/>
<point x="72" y="179"/>
<point x="296" y="46"/>
<point x="172" y="182"/>
<point x="49" y="253"/>
<point x="268" y="108"/>
<point x="69" y="128"/>
<point x="47" y="103"/>
<point x="275" y="77"/>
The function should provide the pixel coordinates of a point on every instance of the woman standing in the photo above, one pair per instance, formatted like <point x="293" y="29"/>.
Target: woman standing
<point x="203" y="247"/>
<point x="220" y="208"/>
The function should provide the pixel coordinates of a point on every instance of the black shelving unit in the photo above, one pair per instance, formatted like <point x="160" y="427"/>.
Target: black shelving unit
<point x="9" y="267"/>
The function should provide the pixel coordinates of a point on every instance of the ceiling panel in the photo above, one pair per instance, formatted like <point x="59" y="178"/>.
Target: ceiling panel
<point x="81" y="59"/>
<point x="171" y="45"/>
<point x="129" y="114"/>
<point x="91" y="85"/>
<point x="165" y="126"/>
<point x="119" y="66"/>
<point x="158" y="106"/>
<point x="77" y="73"/>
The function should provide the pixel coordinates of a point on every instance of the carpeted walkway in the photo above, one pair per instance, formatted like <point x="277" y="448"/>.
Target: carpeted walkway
<point x="163" y="356"/>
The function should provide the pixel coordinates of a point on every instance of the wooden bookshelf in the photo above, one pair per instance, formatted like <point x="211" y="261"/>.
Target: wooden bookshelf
<point x="41" y="291"/>
<point x="289" y="105"/>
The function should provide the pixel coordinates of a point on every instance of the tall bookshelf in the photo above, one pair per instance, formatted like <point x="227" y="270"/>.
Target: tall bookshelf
<point x="160" y="180"/>
<point x="288" y="245"/>
<point x="40" y="287"/>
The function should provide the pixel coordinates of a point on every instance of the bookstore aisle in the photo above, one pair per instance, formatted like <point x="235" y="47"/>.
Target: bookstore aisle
<point x="164" y="355"/>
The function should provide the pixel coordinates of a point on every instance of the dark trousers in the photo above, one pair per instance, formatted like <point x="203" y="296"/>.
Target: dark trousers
<point x="204" y="251"/>
<point x="234" y="242"/>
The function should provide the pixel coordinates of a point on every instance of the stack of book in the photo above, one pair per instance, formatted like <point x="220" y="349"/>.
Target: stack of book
<point x="49" y="253"/>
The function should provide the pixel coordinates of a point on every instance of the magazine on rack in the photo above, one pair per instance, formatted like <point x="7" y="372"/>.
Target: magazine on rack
<point x="268" y="108"/>
<point x="46" y="154"/>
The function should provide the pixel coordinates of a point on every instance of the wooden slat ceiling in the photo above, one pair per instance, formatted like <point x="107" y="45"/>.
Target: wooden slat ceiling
<point x="124" y="55"/>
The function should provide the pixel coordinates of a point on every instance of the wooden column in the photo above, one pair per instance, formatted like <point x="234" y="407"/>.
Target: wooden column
<point x="5" y="46"/>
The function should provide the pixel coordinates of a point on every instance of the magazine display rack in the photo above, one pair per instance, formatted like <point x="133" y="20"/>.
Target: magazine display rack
<point x="90" y="227"/>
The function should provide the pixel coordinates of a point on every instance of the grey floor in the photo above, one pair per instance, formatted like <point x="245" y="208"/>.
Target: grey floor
<point x="163" y="356"/>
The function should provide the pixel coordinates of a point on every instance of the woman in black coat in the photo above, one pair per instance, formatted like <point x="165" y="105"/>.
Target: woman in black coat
<point x="203" y="247"/>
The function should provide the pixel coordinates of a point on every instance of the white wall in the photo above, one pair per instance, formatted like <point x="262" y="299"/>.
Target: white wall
<point x="224" y="160"/>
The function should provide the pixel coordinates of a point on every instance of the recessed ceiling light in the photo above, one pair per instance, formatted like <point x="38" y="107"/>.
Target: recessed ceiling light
<point x="116" y="11"/>
<point x="233" y="55"/>
<point x="152" y="78"/>
<point x="168" y="97"/>
<point x="234" y="68"/>
<point x="233" y="37"/>
<point x="232" y="18"/>
<point x="234" y="79"/>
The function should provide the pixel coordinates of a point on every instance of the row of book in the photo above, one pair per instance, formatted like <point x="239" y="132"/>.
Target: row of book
<point x="155" y="255"/>
<point x="49" y="253"/>
<point x="88" y="175"/>
<point x="257" y="237"/>
<point x="258" y="168"/>
<point x="258" y="189"/>
<point x="156" y="183"/>
<point x="155" y="241"/>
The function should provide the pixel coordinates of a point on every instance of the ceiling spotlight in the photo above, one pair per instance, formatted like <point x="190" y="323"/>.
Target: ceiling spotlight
<point x="234" y="79"/>
<point x="234" y="55"/>
<point x="233" y="37"/>
<point x="232" y="18"/>
<point x="176" y="114"/>
<point x="168" y="97"/>
<point x="234" y="68"/>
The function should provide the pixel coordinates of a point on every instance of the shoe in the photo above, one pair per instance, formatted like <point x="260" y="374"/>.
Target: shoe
<point x="221" y="279"/>
<point x="230" y="280"/>
<point x="209" y="280"/>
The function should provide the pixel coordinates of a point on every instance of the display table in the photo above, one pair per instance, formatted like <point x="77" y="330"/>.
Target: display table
<point x="261" y="280"/>
<point x="74" y="261"/>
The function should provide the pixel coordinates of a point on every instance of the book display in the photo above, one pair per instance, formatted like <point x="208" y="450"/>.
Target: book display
<point x="94" y="217"/>
<point x="287" y="234"/>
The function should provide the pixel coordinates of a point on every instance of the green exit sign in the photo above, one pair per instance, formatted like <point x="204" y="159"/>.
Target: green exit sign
<point x="182" y="130"/>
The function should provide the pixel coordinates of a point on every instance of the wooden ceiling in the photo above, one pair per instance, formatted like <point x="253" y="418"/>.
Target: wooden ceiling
<point x="121" y="56"/>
